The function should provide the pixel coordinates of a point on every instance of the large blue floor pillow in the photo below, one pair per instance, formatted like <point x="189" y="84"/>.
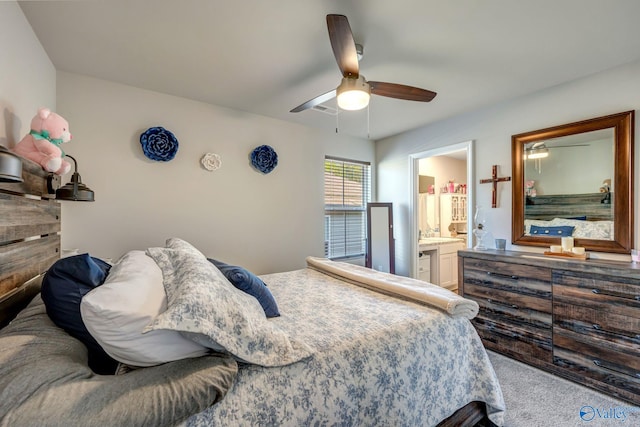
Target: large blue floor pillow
<point x="63" y="287"/>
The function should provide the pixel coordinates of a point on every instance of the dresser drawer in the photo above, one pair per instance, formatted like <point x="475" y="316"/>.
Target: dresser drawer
<point x="525" y="344"/>
<point x="608" y="367"/>
<point x="598" y="321"/>
<point x="618" y="291"/>
<point x="516" y="278"/>
<point x="511" y="307"/>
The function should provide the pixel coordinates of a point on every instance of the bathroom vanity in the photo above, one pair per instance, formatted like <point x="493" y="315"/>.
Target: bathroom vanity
<point x="442" y="256"/>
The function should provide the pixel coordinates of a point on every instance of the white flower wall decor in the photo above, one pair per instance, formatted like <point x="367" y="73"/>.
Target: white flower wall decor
<point x="211" y="161"/>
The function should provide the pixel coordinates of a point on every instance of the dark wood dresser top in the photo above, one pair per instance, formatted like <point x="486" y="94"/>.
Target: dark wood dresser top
<point x="594" y="266"/>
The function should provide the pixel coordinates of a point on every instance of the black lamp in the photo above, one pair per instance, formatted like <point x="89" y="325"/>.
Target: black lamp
<point x="75" y="190"/>
<point x="10" y="166"/>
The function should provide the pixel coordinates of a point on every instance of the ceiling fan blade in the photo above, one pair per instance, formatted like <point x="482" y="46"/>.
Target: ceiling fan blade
<point x="315" y="101"/>
<point x="538" y="145"/>
<point x="568" y="146"/>
<point x="394" y="90"/>
<point x="343" y="45"/>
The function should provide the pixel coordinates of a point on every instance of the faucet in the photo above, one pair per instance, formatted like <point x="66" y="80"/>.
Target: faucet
<point x="424" y="234"/>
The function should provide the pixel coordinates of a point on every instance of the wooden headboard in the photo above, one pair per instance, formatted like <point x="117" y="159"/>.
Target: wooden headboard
<point x="29" y="237"/>
<point x="588" y="205"/>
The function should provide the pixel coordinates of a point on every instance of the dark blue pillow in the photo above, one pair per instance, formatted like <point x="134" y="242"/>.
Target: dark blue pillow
<point x="563" y="230"/>
<point x="63" y="287"/>
<point x="251" y="284"/>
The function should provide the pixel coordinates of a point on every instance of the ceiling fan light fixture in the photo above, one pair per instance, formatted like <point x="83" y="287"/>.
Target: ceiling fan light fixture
<point x="353" y="94"/>
<point x="537" y="153"/>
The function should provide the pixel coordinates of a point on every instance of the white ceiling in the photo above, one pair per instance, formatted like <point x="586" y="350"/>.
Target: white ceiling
<point x="266" y="57"/>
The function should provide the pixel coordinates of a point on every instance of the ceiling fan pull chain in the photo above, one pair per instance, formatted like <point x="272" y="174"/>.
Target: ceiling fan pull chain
<point x="368" y="109"/>
<point x="337" y="115"/>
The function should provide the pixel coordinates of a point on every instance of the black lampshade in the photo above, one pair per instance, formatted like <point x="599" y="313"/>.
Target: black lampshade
<point x="10" y="166"/>
<point x="75" y="190"/>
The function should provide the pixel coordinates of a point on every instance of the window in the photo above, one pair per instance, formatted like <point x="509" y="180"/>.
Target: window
<point x="346" y="194"/>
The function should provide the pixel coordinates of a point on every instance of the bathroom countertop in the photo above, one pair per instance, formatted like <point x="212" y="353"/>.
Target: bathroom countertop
<point x="429" y="241"/>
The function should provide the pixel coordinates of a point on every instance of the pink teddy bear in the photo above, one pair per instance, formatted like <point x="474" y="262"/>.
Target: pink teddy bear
<point x="48" y="131"/>
<point x="529" y="187"/>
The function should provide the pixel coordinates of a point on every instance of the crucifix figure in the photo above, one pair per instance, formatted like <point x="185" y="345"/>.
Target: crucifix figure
<point x="494" y="180"/>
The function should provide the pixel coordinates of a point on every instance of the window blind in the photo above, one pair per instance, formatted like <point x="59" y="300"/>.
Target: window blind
<point x="347" y="191"/>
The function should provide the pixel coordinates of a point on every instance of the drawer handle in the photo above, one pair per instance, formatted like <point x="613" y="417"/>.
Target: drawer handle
<point x="599" y="328"/>
<point x="615" y="294"/>
<point x="506" y="304"/>
<point x="506" y="276"/>
<point x="602" y="365"/>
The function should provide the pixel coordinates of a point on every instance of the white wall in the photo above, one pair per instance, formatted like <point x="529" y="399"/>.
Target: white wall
<point x="605" y="93"/>
<point x="551" y="177"/>
<point x="267" y="223"/>
<point x="27" y="76"/>
<point x="443" y="169"/>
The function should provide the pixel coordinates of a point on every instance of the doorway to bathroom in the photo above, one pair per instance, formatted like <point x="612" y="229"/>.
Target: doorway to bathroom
<point x="442" y="206"/>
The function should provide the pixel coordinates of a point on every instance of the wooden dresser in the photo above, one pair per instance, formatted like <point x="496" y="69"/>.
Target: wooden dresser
<point x="576" y="319"/>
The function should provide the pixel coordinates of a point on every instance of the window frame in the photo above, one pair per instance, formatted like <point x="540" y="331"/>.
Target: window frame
<point x="354" y="214"/>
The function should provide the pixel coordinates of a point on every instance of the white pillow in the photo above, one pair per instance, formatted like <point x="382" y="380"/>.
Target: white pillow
<point x="130" y="298"/>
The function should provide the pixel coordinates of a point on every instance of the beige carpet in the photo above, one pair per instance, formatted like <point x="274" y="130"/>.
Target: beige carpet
<point x="537" y="399"/>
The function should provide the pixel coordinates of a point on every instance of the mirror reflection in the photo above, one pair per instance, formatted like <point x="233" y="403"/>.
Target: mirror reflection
<point x="557" y="196"/>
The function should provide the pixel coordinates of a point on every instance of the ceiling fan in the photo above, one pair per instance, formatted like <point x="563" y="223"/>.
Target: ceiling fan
<point x="354" y="91"/>
<point x="540" y="150"/>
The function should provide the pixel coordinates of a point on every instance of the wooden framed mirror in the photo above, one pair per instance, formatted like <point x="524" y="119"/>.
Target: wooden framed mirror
<point x="584" y="184"/>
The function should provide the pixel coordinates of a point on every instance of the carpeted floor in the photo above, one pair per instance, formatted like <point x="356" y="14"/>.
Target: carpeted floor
<point x="535" y="398"/>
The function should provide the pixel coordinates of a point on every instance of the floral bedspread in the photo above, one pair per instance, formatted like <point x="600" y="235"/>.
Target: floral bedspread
<point x="378" y="361"/>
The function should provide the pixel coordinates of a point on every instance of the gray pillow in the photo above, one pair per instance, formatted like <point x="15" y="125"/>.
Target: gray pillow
<point x="44" y="379"/>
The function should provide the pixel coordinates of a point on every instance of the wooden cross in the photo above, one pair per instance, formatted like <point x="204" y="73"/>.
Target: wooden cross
<point x="494" y="180"/>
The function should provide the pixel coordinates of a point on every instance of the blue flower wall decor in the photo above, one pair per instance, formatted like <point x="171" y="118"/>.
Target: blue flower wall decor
<point x="264" y="158"/>
<point x="159" y="144"/>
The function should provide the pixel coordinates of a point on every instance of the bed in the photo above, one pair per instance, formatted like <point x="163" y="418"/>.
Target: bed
<point x="583" y="216"/>
<point x="365" y="357"/>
